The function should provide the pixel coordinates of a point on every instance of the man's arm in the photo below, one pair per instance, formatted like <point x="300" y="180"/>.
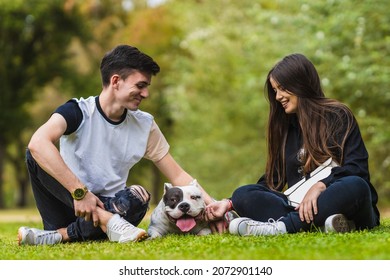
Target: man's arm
<point x="44" y="151"/>
<point x="177" y="176"/>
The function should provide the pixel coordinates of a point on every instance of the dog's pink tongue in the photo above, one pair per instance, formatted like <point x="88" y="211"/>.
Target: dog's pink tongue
<point x="185" y="224"/>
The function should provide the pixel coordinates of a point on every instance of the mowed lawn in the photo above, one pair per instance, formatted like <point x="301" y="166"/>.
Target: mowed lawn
<point x="360" y="245"/>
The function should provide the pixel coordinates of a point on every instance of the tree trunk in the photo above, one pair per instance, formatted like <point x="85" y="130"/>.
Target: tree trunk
<point x="2" y="161"/>
<point x="23" y="182"/>
<point x="157" y="185"/>
<point x="18" y="164"/>
<point x="23" y="179"/>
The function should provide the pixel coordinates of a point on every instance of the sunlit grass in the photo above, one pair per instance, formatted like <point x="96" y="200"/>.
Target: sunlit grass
<point x="362" y="245"/>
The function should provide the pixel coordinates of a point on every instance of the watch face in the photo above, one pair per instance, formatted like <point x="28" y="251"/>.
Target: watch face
<point x="79" y="193"/>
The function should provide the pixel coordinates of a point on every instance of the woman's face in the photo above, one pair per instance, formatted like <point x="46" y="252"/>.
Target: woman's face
<point x="288" y="100"/>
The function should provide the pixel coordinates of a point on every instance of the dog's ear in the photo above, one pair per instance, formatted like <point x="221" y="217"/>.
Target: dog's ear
<point x="167" y="186"/>
<point x="194" y="183"/>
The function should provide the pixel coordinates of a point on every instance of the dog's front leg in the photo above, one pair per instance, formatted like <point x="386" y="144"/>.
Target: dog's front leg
<point x="153" y="233"/>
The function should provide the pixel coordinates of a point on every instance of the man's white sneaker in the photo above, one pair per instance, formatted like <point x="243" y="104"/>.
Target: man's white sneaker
<point x="339" y="223"/>
<point x="120" y="230"/>
<point x="246" y="226"/>
<point x="34" y="236"/>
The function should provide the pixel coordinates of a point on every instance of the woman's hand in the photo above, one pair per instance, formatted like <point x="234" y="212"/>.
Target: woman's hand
<point x="214" y="215"/>
<point x="218" y="226"/>
<point x="308" y="207"/>
<point x="216" y="210"/>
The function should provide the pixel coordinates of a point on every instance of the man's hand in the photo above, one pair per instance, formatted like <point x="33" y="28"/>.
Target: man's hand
<point x="87" y="208"/>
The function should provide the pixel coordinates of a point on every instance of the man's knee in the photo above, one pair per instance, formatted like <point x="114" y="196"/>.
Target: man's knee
<point x="141" y="193"/>
<point x="129" y="201"/>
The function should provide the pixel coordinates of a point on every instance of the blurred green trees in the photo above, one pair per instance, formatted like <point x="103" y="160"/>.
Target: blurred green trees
<point x="208" y="98"/>
<point x="34" y="39"/>
<point x="230" y="49"/>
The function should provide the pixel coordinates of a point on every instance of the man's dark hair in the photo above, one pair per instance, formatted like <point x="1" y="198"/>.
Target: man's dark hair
<point x="122" y="60"/>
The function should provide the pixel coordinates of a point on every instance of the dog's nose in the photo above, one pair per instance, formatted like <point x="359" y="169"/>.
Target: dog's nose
<point x="184" y="207"/>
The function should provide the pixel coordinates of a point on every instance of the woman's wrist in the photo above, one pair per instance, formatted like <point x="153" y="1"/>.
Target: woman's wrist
<point x="230" y="204"/>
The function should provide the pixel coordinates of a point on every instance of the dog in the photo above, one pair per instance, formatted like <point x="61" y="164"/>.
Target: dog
<point x="180" y="211"/>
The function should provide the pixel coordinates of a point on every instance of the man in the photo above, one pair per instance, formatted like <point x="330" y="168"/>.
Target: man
<point x="80" y="188"/>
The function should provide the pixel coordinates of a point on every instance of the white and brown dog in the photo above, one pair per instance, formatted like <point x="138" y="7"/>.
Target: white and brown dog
<point x="180" y="211"/>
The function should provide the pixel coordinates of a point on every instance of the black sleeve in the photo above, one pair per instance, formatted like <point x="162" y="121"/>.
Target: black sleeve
<point x="72" y="114"/>
<point x="355" y="158"/>
<point x="262" y="181"/>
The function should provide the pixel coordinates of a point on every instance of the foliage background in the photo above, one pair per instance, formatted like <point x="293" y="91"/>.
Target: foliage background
<point x="208" y="98"/>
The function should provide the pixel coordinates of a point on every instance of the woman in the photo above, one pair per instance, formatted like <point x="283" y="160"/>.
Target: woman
<point x="304" y="130"/>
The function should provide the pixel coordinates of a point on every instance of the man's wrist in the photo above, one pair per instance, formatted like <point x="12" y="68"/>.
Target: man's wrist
<point x="79" y="193"/>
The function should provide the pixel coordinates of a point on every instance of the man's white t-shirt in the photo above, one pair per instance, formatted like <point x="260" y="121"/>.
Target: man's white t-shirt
<point x="101" y="152"/>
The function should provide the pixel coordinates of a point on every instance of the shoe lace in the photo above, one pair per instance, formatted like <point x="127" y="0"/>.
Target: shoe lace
<point x="263" y="228"/>
<point x="46" y="237"/>
<point x="121" y="226"/>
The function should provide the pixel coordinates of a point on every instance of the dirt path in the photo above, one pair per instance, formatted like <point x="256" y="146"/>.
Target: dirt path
<point x="19" y="215"/>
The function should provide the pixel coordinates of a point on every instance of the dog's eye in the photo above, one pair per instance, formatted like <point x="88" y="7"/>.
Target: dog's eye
<point x="195" y="197"/>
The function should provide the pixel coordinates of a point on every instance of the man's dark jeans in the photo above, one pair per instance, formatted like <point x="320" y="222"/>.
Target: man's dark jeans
<point x="55" y="205"/>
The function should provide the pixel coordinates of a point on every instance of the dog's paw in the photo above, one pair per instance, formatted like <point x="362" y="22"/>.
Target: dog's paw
<point x="205" y="231"/>
<point x="153" y="234"/>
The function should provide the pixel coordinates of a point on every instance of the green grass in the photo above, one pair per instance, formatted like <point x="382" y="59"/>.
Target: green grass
<point x="363" y="245"/>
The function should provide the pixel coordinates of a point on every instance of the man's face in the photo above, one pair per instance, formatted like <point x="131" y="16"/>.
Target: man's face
<point x="132" y="90"/>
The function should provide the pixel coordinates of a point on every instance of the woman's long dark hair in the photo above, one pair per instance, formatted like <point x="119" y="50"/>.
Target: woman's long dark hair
<point x="322" y="120"/>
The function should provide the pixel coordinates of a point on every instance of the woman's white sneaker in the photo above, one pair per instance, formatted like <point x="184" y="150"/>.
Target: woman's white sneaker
<point x="339" y="223"/>
<point x="246" y="226"/>
<point x="120" y="230"/>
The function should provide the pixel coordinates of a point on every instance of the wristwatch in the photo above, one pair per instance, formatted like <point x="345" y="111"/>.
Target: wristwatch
<point x="79" y="193"/>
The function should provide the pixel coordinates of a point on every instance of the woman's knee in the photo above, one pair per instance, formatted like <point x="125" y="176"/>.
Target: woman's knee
<point x="356" y="184"/>
<point x="241" y="192"/>
<point x="244" y="196"/>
